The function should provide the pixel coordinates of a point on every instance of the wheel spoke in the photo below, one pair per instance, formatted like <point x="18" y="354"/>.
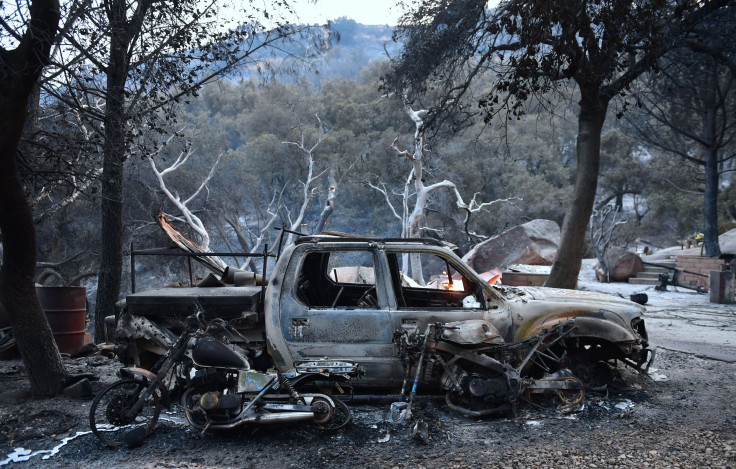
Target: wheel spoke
<point x="111" y="419"/>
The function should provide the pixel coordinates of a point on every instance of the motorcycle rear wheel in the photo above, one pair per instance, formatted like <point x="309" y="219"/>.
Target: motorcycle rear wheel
<point x="108" y="417"/>
<point x="325" y="416"/>
<point x="341" y="416"/>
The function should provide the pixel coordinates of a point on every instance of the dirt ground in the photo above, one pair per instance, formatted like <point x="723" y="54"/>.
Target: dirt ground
<point x="685" y="417"/>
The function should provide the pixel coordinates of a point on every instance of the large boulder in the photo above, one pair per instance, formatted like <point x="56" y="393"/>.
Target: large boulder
<point x="726" y="241"/>
<point x="533" y="243"/>
<point x="622" y="265"/>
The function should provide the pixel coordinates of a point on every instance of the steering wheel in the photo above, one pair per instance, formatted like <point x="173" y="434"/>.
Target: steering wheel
<point x="367" y="299"/>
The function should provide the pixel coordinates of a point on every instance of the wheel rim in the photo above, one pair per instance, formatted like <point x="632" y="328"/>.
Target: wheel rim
<point x="109" y="418"/>
<point x="340" y="416"/>
<point x="572" y="397"/>
<point x="327" y="410"/>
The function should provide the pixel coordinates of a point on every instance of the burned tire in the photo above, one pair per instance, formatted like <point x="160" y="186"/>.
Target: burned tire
<point x="111" y="419"/>
<point x="340" y="417"/>
<point x="325" y="408"/>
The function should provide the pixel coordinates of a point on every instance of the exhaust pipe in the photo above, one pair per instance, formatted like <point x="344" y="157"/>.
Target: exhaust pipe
<point x="268" y="418"/>
<point x="280" y="417"/>
<point x="276" y="417"/>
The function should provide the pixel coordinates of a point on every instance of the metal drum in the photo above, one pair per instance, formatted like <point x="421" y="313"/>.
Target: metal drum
<point x="66" y="311"/>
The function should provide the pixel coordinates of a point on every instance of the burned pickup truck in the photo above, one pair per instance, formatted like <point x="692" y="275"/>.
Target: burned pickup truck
<point x="368" y="300"/>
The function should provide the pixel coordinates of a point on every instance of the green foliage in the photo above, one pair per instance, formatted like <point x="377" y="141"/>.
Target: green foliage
<point x="674" y="197"/>
<point x="622" y="170"/>
<point x="249" y="122"/>
<point x="533" y="47"/>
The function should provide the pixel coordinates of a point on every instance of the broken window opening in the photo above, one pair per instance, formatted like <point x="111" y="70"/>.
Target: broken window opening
<point x="344" y="279"/>
<point x="446" y="287"/>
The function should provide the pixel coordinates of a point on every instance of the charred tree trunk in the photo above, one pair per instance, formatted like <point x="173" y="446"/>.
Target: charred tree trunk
<point x="111" y="263"/>
<point x="31" y="126"/>
<point x="20" y="69"/>
<point x="619" y="201"/>
<point x="17" y="290"/>
<point x="710" y="207"/>
<point x="565" y="269"/>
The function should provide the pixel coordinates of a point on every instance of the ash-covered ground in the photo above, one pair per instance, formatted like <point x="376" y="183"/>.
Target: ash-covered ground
<point x="682" y="415"/>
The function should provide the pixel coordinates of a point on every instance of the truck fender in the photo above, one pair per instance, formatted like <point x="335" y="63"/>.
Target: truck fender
<point x="595" y="327"/>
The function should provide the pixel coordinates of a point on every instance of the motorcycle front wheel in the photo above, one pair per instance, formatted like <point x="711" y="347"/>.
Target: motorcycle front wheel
<point x="110" y="416"/>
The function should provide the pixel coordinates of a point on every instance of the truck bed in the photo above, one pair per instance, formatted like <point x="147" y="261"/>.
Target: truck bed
<point x="223" y="302"/>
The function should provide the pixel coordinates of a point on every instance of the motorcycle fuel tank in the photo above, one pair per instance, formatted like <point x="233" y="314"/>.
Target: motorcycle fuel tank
<point x="209" y="351"/>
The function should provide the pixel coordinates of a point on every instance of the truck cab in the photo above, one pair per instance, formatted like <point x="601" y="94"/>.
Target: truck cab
<point x="344" y="298"/>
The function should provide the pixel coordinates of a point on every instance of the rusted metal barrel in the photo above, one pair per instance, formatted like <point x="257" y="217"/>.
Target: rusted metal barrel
<point x="66" y="311"/>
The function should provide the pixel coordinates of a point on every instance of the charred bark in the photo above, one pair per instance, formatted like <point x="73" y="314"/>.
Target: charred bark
<point x="20" y="70"/>
<point x="710" y="204"/>
<point x="111" y="262"/>
<point x="565" y="269"/>
<point x="710" y="208"/>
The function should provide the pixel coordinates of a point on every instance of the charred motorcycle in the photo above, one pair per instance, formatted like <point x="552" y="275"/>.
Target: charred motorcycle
<point x="481" y="374"/>
<point x="218" y="389"/>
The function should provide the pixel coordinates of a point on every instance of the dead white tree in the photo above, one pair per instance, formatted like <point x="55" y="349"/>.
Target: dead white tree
<point x="307" y="189"/>
<point x="603" y="224"/>
<point x="330" y="202"/>
<point x="413" y="219"/>
<point x="78" y="188"/>
<point x="251" y="240"/>
<point x="187" y="215"/>
<point x="381" y="187"/>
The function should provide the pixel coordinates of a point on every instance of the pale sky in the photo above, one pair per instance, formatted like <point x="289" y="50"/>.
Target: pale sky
<point x="362" y="11"/>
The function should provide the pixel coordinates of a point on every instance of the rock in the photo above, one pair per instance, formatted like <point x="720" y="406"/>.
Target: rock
<point x="533" y="243"/>
<point x="87" y="349"/>
<point x="727" y="242"/>
<point x="108" y="350"/>
<point x="79" y="390"/>
<point x="134" y="438"/>
<point x="622" y="265"/>
<point x="15" y="397"/>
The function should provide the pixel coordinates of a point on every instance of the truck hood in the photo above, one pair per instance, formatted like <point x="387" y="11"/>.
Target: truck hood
<point x="562" y="295"/>
<point x="542" y="301"/>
